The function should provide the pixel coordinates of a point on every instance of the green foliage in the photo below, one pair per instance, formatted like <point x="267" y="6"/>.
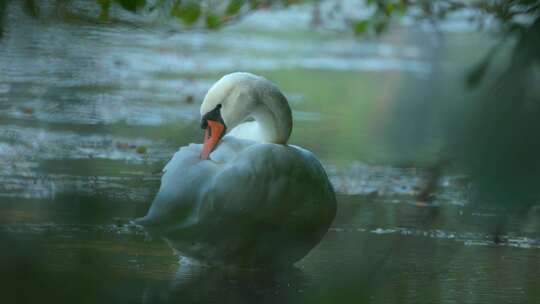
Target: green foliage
<point x="188" y="13"/>
<point x="2" y="16"/>
<point x="105" y="7"/>
<point x="380" y="26"/>
<point x="376" y="27"/>
<point x="132" y="5"/>
<point x="476" y="75"/>
<point x="234" y="7"/>
<point x="253" y="4"/>
<point x="501" y="146"/>
<point x="360" y="27"/>
<point x="384" y="12"/>
<point x="31" y="8"/>
<point x="213" y="21"/>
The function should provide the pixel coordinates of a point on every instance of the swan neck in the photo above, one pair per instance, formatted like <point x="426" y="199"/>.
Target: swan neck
<point x="271" y="128"/>
<point x="273" y="115"/>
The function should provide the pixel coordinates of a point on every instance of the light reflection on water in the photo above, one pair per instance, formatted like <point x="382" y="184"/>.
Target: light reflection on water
<point x="89" y="116"/>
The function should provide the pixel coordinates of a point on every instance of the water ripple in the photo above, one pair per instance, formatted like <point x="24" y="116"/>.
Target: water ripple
<point x="467" y="238"/>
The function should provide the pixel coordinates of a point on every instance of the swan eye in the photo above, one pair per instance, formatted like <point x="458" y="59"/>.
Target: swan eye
<point x="214" y="115"/>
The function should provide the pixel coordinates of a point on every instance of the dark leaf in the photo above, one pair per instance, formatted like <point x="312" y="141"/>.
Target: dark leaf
<point x="132" y="5"/>
<point x="105" y="6"/>
<point x="189" y="13"/>
<point x="476" y="75"/>
<point x="253" y="4"/>
<point x="213" y="21"/>
<point x="360" y="27"/>
<point x="141" y="150"/>
<point x="31" y="8"/>
<point x="234" y="7"/>
<point x="381" y="26"/>
<point x="2" y="16"/>
<point x="390" y="8"/>
<point x="401" y="6"/>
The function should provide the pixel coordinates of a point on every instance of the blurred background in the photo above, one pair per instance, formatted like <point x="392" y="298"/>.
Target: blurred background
<point x="424" y="114"/>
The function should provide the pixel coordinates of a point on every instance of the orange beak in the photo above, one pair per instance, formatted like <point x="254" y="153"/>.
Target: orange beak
<point x="212" y="134"/>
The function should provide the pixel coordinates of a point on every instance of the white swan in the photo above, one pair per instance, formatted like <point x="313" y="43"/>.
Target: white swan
<point x="248" y="198"/>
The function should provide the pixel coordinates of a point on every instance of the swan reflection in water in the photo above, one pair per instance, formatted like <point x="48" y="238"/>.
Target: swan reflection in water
<point x="195" y="283"/>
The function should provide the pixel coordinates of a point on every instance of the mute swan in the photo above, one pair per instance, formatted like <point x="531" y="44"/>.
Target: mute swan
<point x="246" y="198"/>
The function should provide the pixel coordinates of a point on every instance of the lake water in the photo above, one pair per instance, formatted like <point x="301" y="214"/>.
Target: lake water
<point x="89" y="114"/>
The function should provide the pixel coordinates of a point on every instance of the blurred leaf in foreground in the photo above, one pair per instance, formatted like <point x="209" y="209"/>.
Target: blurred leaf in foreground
<point x="360" y="27"/>
<point x="189" y="12"/>
<point x="213" y="21"/>
<point x="2" y="16"/>
<point x="502" y="145"/>
<point x="132" y="5"/>
<point x="105" y="7"/>
<point x="234" y="7"/>
<point x="31" y="8"/>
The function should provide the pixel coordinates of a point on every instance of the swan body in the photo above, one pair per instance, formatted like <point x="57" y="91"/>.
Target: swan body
<point x="250" y="199"/>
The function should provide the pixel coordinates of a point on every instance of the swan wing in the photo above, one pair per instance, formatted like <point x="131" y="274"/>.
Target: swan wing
<point x="184" y="179"/>
<point x="268" y="182"/>
<point x="269" y="198"/>
<point x="185" y="185"/>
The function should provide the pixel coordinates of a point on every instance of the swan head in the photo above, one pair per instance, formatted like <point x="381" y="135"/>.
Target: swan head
<point x="241" y="101"/>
